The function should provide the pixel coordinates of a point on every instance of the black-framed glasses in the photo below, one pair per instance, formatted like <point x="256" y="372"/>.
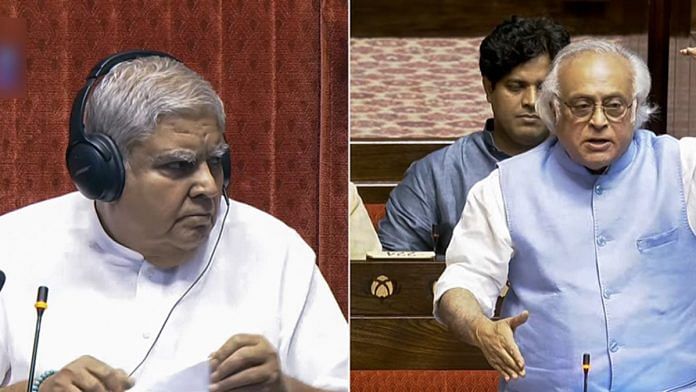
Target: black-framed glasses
<point x="614" y="108"/>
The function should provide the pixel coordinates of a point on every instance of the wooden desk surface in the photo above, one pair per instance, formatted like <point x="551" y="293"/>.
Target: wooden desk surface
<point x="392" y="326"/>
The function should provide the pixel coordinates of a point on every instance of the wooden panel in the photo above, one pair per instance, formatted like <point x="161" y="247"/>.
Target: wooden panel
<point x="409" y="282"/>
<point x="450" y="18"/>
<point x="375" y="192"/>
<point x="409" y="343"/>
<point x="658" y="62"/>
<point x="387" y="160"/>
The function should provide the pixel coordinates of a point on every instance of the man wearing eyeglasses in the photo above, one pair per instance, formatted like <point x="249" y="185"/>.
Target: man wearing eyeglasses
<point x="594" y="230"/>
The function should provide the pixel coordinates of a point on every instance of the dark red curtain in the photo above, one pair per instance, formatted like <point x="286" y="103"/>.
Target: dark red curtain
<point x="279" y="66"/>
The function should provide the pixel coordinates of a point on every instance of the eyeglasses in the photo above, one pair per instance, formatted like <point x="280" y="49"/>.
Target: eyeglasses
<point x="583" y="109"/>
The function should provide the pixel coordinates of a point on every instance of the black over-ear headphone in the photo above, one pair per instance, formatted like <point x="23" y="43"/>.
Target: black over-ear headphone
<point x="94" y="162"/>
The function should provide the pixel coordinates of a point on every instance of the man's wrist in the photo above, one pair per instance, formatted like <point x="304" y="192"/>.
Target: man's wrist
<point x="294" y="385"/>
<point x="36" y="383"/>
<point x="478" y="327"/>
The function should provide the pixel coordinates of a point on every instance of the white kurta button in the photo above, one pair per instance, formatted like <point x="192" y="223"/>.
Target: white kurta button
<point x="146" y="335"/>
<point x="613" y="346"/>
<point x="607" y="294"/>
<point x="601" y="241"/>
<point x="598" y="189"/>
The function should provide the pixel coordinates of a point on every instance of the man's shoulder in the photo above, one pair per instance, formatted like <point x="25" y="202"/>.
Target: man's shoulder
<point x="267" y="242"/>
<point x="459" y="150"/>
<point x="649" y="137"/>
<point x="257" y="224"/>
<point x="44" y="211"/>
<point x="44" y="228"/>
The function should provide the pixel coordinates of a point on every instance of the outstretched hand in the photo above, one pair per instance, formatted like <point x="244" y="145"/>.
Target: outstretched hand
<point x="688" y="52"/>
<point x="496" y="341"/>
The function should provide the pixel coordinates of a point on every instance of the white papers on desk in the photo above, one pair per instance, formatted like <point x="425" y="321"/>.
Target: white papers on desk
<point x="400" y="255"/>
<point x="195" y="378"/>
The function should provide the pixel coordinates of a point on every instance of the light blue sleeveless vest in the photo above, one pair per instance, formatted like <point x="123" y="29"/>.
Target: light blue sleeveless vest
<point x="605" y="264"/>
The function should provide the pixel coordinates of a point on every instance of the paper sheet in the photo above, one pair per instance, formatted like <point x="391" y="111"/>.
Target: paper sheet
<point x="195" y="378"/>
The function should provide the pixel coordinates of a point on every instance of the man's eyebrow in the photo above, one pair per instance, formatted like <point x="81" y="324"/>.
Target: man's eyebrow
<point x="173" y="155"/>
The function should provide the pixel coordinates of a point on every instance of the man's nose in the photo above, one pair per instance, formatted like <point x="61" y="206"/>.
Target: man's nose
<point x="205" y="182"/>
<point x="529" y="96"/>
<point x="598" y="119"/>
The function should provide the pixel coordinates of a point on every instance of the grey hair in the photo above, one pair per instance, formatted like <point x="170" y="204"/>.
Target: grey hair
<point x="548" y="105"/>
<point x="129" y="101"/>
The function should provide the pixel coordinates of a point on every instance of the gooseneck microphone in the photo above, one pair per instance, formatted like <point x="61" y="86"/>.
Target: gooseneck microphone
<point x="585" y="369"/>
<point x="2" y="279"/>
<point x="435" y="236"/>
<point x="41" y="305"/>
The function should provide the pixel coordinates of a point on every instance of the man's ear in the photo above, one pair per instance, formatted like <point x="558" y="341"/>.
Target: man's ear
<point x="488" y="87"/>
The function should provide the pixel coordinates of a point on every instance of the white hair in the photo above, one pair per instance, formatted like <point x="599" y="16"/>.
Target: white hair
<point x="129" y="101"/>
<point x="548" y="106"/>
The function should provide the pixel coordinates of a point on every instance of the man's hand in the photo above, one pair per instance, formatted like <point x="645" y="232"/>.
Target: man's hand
<point x="495" y="339"/>
<point x="87" y="374"/>
<point x="688" y="52"/>
<point x="246" y="362"/>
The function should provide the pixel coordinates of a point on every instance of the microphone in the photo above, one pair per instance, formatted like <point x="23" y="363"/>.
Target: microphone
<point x="435" y="235"/>
<point x="585" y="369"/>
<point x="40" y="306"/>
<point x="2" y="279"/>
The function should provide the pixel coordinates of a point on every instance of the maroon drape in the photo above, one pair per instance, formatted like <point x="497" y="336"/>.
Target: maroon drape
<point x="279" y="66"/>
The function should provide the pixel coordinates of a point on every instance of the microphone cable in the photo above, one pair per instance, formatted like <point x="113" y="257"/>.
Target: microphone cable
<point x="205" y="269"/>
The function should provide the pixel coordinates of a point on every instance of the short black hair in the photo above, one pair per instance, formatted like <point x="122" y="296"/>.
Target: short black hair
<point x="516" y="41"/>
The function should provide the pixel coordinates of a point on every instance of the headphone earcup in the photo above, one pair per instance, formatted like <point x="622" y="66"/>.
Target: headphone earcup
<point x="96" y="168"/>
<point x="94" y="162"/>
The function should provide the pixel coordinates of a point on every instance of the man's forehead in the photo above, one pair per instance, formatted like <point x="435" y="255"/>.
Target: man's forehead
<point x="176" y="140"/>
<point x="595" y="73"/>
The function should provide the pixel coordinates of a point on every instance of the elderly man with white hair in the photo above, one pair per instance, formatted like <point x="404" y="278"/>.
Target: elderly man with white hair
<point x="158" y="280"/>
<point x="594" y="231"/>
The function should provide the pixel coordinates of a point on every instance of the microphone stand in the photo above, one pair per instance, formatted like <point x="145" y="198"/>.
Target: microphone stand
<point x="585" y="369"/>
<point x="40" y="306"/>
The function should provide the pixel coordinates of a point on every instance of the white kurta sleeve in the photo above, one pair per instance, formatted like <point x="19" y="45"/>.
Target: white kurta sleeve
<point x="481" y="247"/>
<point x="317" y="345"/>
<point x="687" y="149"/>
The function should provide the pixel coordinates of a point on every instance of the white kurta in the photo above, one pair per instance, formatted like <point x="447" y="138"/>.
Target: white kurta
<point x="106" y="301"/>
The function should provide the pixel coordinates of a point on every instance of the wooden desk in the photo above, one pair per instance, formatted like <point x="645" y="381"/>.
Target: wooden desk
<point x="398" y="331"/>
